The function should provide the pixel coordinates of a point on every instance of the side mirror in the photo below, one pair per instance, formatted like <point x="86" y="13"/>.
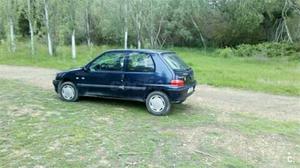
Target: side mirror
<point x="85" y="69"/>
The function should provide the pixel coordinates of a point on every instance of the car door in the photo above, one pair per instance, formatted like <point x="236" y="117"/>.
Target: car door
<point x="139" y="71"/>
<point x="104" y="76"/>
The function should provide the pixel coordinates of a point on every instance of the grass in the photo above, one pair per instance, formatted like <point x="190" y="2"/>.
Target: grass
<point x="43" y="130"/>
<point x="252" y="125"/>
<point x="276" y="75"/>
<point x="272" y="75"/>
<point x="38" y="129"/>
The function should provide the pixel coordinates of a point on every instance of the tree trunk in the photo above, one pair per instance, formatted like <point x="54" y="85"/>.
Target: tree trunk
<point x="139" y="36"/>
<point x="198" y="29"/>
<point x="126" y="40"/>
<point x="30" y="28"/>
<point x="139" y="41"/>
<point x="126" y="26"/>
<point x="31" y="38"/>
<point x="138" y="22"/>
<point x="73" y="45"/>
<point x="290" y="39"/>
<point x="88" y="36"/>
<point x="12" y="35"/>
<point x="50" y="48"/>
<point x="284" y="15"/>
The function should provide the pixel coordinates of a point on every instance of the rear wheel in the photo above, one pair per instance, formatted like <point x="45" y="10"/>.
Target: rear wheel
<point x="158" y="103"/>
<point x="68" y="92"/>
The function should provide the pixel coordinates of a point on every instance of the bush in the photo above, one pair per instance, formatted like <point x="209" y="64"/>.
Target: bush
<point x="226" y="52"/>
<point x="268" y="50"/>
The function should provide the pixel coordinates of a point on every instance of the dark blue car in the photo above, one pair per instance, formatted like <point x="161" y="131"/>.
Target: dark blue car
<point x="158" y="78"/>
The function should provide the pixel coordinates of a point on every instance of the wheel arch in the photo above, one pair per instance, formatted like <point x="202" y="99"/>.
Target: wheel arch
<point x="63" y="81"/>
<point x="149" y="91"/>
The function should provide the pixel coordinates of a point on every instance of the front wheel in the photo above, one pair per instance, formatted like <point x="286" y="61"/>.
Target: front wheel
<point x="158" y="103"/>
<point x="68" y="92"/>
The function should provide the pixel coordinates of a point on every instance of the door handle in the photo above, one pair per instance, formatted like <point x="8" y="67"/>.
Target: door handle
<point x="123" y="76"/>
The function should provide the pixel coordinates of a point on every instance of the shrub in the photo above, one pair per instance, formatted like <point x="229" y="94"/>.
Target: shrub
<point x="226" y="52"/>
<point x="268" y="50"/>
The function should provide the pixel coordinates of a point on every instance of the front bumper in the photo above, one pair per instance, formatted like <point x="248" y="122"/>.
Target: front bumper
<point x="55" y="84"/>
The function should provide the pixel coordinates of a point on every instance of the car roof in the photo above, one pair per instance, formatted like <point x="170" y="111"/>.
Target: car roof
<point x="150" y="51"/>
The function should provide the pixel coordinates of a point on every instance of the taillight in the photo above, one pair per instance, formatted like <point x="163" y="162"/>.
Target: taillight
<point x="177" y="83"/>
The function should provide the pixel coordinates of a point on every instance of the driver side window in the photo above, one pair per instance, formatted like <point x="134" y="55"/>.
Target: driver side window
<point x="108" y="62"/>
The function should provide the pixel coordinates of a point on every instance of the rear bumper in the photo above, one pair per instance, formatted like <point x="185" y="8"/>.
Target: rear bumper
<point x="180" y="94"/>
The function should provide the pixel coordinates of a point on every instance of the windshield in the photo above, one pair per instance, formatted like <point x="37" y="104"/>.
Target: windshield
<point x="174" y="61"/>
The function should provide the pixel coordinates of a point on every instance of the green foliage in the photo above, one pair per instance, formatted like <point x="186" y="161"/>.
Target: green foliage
<point x="194" y="23"/>
<point x="226" y="52"/>
<point x="268" y="50"/>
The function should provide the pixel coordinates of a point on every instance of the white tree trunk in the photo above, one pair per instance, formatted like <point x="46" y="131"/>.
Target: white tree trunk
<point x="73" y="45"/>
<point x="199" y="30"/>
<point x="284" y="15"/>
<point x="88" y="27"/>
<point x="139" y="34"/>
<point x="126" y="40"/>
<point x="139" y="42"/>
<point x="30" y="27"/>
<point x="31" y="38"/>
<point x="50" y="48"/>
<point x="12" y="35"/>
<point x="126" y="26"/>
<point x="139" y="25"/>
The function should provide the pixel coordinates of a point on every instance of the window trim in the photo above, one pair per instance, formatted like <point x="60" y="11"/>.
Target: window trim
<point x="127" y="61"/>
<point x="110" y="71"/>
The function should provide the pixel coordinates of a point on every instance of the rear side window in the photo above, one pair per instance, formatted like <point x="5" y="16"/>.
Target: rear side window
<point x="140" y="62"/>
<point x="174" y="61"/>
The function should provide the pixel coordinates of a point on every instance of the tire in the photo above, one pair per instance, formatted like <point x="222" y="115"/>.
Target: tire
<point x="68" y="92"/>
<point x="158" y="103"/>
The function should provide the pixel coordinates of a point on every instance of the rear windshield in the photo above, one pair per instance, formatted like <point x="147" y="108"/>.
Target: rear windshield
<point x="175" y="62"/>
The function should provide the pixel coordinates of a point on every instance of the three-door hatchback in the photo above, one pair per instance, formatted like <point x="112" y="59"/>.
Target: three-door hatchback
<point x="158" y="78"/>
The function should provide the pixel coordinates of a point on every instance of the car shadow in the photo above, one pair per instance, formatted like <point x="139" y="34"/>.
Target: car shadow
<point x="123" y="103"/>
<point x="177" y="109"/>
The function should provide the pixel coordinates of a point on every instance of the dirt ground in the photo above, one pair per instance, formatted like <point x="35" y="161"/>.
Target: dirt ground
<point x="226" y="100"/>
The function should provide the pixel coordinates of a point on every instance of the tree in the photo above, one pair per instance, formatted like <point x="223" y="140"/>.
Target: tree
<point x="31" y="27"/>
<point x="50" y="45"/>
<point x="2" y="21"/>
<point x="149" y="23"/>
<point x="71" y="12"/>
<point x="154" y="19"/>
<point x="137" y="7"/>
<point x="196" y="14"/>
<point x="11" y="7"/>
<point x="88" y="21"/>
<point x="125" y="24"/>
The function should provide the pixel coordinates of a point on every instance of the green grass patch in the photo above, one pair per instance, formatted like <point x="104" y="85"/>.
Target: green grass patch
<point x="233" y="162"/>
<point x="272" y="75"/>
<point x="39" y="129"/>
<point x="254" y="125"/>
